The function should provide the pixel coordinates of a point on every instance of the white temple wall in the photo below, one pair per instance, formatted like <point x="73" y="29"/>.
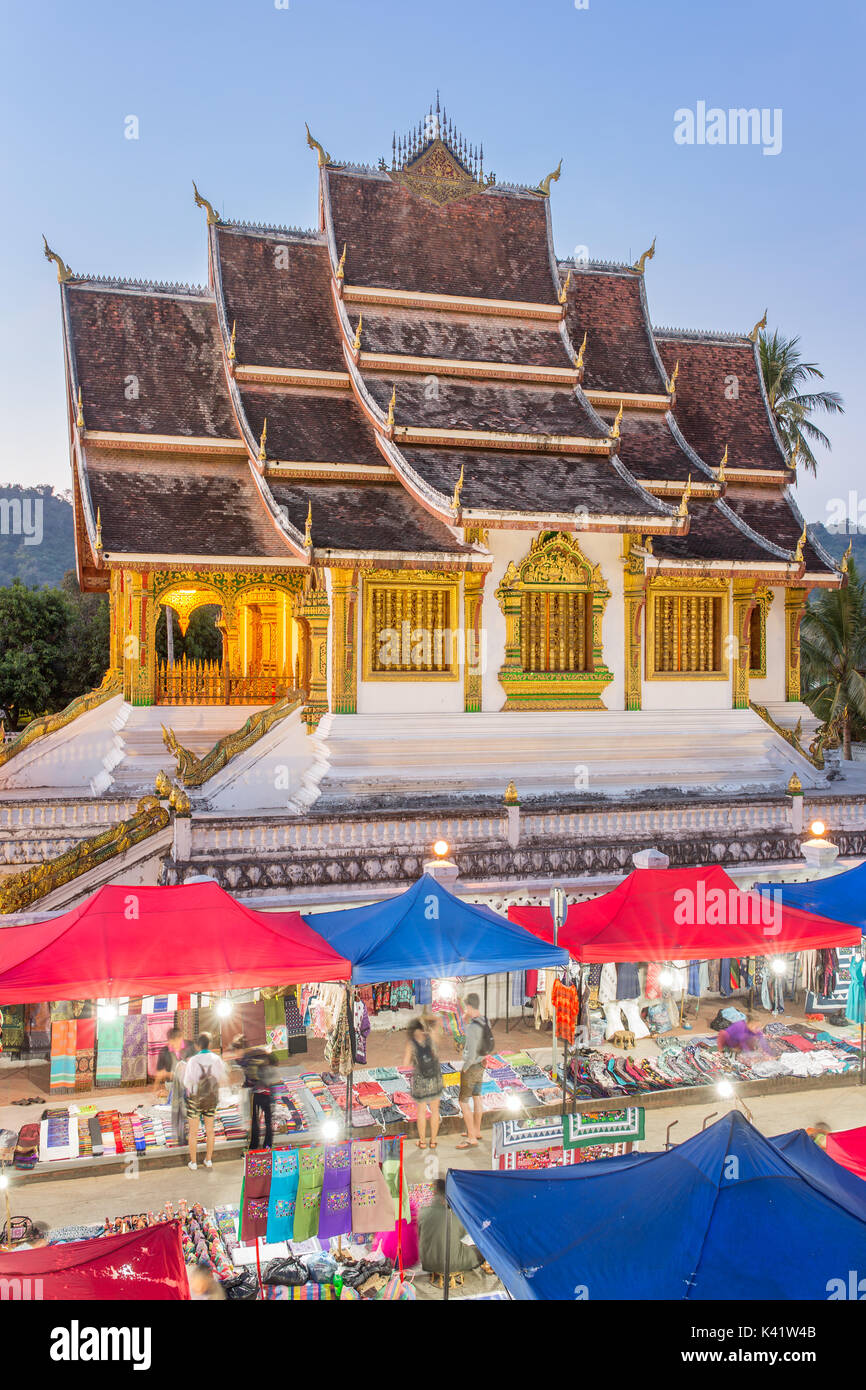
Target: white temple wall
<point x="772" y="688"/>
<point x="663" y="694"/>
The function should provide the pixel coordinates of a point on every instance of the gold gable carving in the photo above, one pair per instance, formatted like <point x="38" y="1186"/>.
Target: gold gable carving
<point x="437" y="176"/>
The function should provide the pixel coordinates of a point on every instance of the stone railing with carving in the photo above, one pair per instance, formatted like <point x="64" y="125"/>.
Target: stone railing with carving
<point x="19" y="891"/>
<point x="194" y="771"/>
<point x="50" y="723"/>
<point x="790" y="736"/>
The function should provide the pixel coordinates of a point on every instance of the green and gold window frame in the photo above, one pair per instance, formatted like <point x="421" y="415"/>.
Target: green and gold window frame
<point x="687" y="631"/>
<point x="411" y="627"/>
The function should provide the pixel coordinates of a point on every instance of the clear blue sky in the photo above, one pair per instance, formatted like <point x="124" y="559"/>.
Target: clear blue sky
<point x="221" y="89"/>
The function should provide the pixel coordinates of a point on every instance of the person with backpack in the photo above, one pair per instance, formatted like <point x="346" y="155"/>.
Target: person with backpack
<point x="204" y="1075"/>
<point x="426" y="1084"/>
<point x="479" y="1043"/>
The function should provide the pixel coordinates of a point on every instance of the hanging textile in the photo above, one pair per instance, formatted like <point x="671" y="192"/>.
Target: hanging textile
<point x="423" y="990"/>
<point x="256" y="1193"/>
<point x="362" y="1029"/>
<point x="391" y="1174"/>
<point x="85" y="1053"/>
<point x="283" y="1195"/>
<point x="159" y="1025"/>
<point x="38" y="1027"/>
<point x="338" y="1047"/>
<point x="372" y="1204"/>
<point x="694" y="983"/>
<point x="12" y="1039"/>
<point x="63" y="1044"/>
<point x="607" y="984"/>
<point x="855" y="1007"/>
<point x="627" y="981"/>
<point x="276" y="1030"/>
<point x="133" y="1061"/>
<point x="566" y="1008"/>
<point x="653" y="985"/>
<point x="187" y="1021"/>
<point x="335" y="1216"/>
<point x="311" y="1173"/>
<point x="109" y="1051"/>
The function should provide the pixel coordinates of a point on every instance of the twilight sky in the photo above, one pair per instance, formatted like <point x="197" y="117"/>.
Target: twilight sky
<point x="221" y="90"/>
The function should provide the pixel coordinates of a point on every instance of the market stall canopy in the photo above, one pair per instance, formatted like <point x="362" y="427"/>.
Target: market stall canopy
<point x="841" y="897"/>
<point x="671" y="1227"/>
<point x="428" y="933"/>
<point x="848" y="1147"/>
<point x="141" y="1265"/>
<point x="136" y="941"/>
<point x="683" y="914"/>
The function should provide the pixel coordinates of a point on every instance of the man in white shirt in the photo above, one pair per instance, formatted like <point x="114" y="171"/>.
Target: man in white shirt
<point x="204" y="1075"/>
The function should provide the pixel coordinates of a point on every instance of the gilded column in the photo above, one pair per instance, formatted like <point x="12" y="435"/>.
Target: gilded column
<point x="473" y="595"/>
<point x="314" y="610"/>
<point x="795" y="607"/>
<point x="344" y="655"/>
<point x="115" y="603"/>
<point x="633" y="604"/>
<point x="744" y="603"/>
<point x="139" y="662"/>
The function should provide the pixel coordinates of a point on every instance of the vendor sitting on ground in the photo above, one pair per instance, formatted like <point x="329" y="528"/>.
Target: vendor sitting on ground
<point x="431" y="1238"/>
<point x="739" y="1037"/>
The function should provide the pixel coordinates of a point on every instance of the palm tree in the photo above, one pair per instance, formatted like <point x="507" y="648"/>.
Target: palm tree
<point x="833" y="657"/>
<point x="785" y="373"/>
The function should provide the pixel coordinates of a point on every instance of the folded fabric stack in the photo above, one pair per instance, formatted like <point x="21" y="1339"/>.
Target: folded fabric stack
<point x="27" y="1148"/>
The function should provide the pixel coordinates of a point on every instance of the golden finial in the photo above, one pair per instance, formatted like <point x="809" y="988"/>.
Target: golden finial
<point x="98" y="529"/>
<point x="232" y="352"/>
<point x="458" y="488"/>
<point x="341" y="268"/>
<point x="640" y="264"/>
<point x="79" y="418"/>
<point x="213" y="216"/>
<point x="563" y="293"/>
<point x="391" y="404"/>
<point x="162" y="783"/>
<point x="553" y="177"/>
<point x="671" y="383"/>
<point x="263" y="441"/>
<point x="762" y="323"/>
<point x="648" y="545"/>
<point x="846" y="557"/>
<point x="614" y="429"/>
<point x="323" y="157"/>
<point x="356" y="344"/>
<point x="63" y="271"/>
<point x="308" y="528"/>
<point x="578" y="361"/>
<point x="720" y="476"/>
<point x="683" y="509"/>
<point x="795" y="786"/>
<point x="795" y="455"/>
<point x="798" y="553"/>
<point x="511" y="797"/>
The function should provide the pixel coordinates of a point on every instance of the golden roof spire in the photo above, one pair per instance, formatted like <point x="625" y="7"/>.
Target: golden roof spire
<point x="720" y="476"/>
<point x="544" y="186"/>
<point x="563" y="293"/>
<point x="795" y="454"/>
<point x="458" y="488"/>
<point x="391" y="404"/>
<point x="762" y="323"/>
<point x="308" y="529"/>
<point x="578" y="361"/>
<point x="671" y="383"/>
<point x="232" y="351"/>
<point x="323" y="157"/>
<point x="263" y="441"/>
<point x="798" y="553"/>
<point x="614" y="429"/>
<point x="640" y="264"/>
<point x="63" y="271"/>
<point x="683" y="509"/>
<point x="847" y="556"/>
<point x="213" y="216"/>
<point x="341" y="268"/>
<point x="356" y="345"/>
<point x="98" y="529"/>
<point x="79" y="419"/>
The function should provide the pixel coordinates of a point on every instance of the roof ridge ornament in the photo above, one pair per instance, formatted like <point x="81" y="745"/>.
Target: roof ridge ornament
<point x="762" y="323"/>
<point x="847" y="556"/>
<point x="232" y="349"/>
<point x="322" y="155"/>
<point x="458" y="488"/>
<point x="63" y="271"/>
<point x="720" y="476"/>
<point x="263" y="453"/>
<point x="798" y="553"/>
<point x="552" y="177"/>
<point x="79" y="418"/>
<point x="389" y="422"/>
<point x="640" y="264"/>
<point x="341" y="267"/>
<point x="579" y="359"/>
<point x="356" y="342"/>
<point x="683" y="508"/>
<point x="614" y="429"/>
<point x="308" y="527"/>
<point x="98" y="530"/>
<point x="213" y="217"/>
<point x="563" y="293"/>
<point x="671" y="383"/>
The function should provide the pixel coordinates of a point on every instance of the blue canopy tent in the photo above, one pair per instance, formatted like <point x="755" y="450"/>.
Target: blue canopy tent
<point x="728" y="1215"/>
<point x="428" y="933"/>
<point x="841" y="897"/>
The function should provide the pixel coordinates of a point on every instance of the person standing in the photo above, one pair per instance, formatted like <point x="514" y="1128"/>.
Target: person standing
<point x="167" y="1059"/>
<point x="479" y="1042"/>
<point x="203" y="1076"/>
<point x="426" y="1085"/>
<point x="260" y="1074"/>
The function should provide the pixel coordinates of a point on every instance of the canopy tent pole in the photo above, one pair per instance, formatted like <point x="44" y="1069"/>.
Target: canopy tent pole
<point x="446" y="1273"/>
<point x="350" y="1005"/>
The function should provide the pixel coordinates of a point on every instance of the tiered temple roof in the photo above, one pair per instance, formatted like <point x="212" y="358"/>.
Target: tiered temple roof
<point x="421" y="363"/>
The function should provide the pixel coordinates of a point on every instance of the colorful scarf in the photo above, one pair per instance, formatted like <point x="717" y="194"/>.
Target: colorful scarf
<point x="109" y="1049"/>
<point x="158" y="1028"/>
<point x="13" y="1027"/>
<point x="276" y="1031"/>
<point x="311" y="1165"/>
<point x="63" y="1044"/>
<point x="285" y="1177"/>
<point x="85" y="1053"/>
<point x="133" y="1063"/>
<point x="335" y="1218"/>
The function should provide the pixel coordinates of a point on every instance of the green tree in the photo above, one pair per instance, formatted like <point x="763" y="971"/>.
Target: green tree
<point x="785" y="375"/>
<point x="53" y="647"/>
<point x="833" y="657"/>
<point x="203" y="640"/>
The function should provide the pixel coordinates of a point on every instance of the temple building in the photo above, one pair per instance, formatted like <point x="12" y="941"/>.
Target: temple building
<point x="460" y="512"/>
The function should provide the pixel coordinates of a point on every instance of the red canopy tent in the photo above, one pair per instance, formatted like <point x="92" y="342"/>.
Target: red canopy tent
<point x="683" y="914"/>
<point x="142" y="1265"/>
<point x="848" y="1147"/>
<point x="132" y="941"/>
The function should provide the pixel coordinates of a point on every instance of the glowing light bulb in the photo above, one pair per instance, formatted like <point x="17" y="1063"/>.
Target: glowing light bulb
<point x="223" y="1008"/>
<point x="779" y="966"/>
<point x="4" y="1181"/>
<point x="330" y="1130"/>
<point x="512" y="1102"/>
<point x="440" y="849"/>
<point x="667" y="979"/>
<point x="107" y="1012"/>
<point x="725" y="1090"/>
<point x="446" y="989"/>
<point x="817" y="828"/>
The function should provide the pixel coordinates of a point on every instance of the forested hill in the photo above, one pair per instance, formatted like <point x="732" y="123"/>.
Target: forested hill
<point x="36" y="535"/>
